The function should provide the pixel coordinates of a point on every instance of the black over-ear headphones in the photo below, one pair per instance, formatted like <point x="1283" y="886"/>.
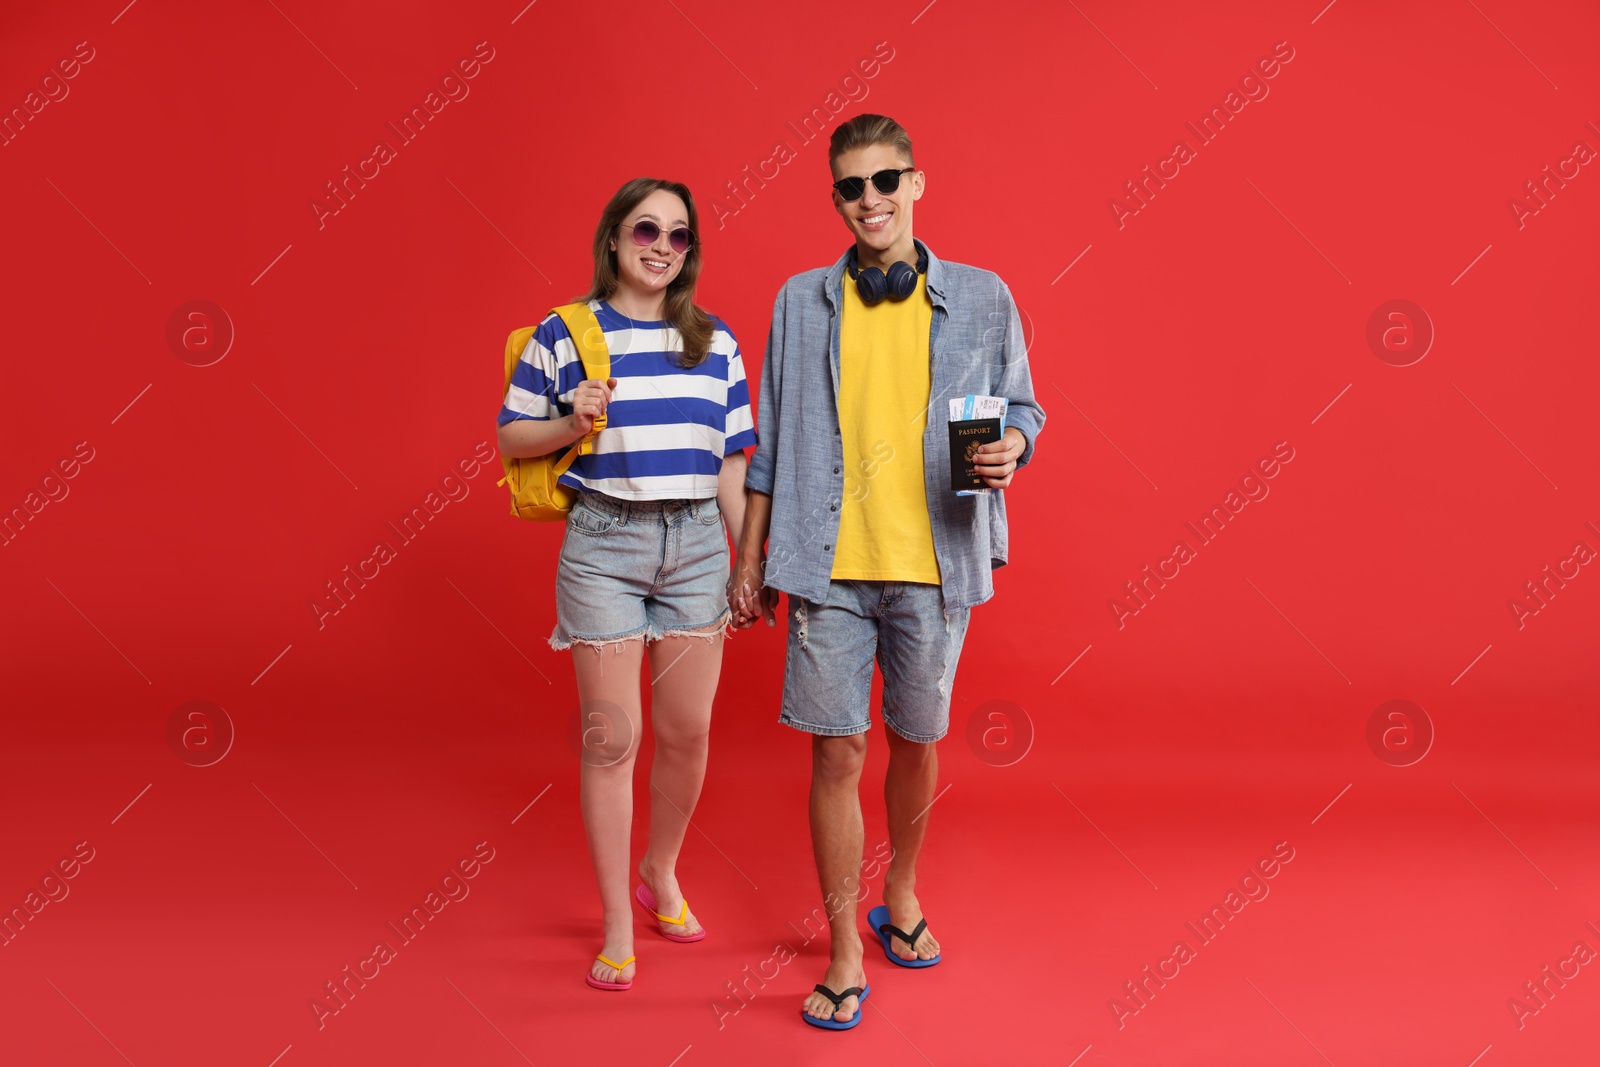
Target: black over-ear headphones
<point x="900" y="282"/>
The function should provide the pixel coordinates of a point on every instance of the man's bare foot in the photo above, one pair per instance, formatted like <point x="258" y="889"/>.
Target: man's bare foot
<point x="842" y="975"/>
<point x="663" y="885"/>
<point x="905" y="912"/>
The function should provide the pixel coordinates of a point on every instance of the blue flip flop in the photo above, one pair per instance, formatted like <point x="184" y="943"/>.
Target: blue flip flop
<point x="859" y="992"/>
<point x="878" y="919"/>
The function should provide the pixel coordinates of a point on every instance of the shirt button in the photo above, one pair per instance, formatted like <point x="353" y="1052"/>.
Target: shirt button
<point x="833" y="507"/>
<point x="836" y="470"/>
<point x="826" y="547"/>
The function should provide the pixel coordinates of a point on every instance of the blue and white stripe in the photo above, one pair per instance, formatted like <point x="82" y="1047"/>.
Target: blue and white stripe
<point x="667" y="427"/>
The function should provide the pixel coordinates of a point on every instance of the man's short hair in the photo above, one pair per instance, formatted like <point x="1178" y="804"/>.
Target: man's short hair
<point x="865" y="130"/>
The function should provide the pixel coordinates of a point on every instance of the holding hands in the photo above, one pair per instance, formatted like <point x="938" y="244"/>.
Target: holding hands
<point x="748" y="595"/>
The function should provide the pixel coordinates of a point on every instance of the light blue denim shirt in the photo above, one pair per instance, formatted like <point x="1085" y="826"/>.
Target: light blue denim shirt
<point x="975" y="346"/>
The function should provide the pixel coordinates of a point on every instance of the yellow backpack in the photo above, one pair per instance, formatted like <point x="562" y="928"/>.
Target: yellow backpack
<point x="535" y="492"/>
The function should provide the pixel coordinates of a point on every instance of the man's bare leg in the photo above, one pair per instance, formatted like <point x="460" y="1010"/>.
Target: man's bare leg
<point x="908" y="792"/>
<point x="836" y="843"/>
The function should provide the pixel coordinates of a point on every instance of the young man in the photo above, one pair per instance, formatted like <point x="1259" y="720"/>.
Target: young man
<point x="879" y="555"/>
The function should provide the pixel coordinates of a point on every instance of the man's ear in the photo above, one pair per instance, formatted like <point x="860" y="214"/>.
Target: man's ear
<point x="919" y="182"/>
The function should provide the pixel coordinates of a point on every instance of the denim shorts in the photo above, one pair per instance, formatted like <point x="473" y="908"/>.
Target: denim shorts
<point x="827" y="675"/>
<point x="640" y="569"/>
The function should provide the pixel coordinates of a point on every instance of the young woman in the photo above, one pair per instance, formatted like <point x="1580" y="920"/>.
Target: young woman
<point x="644" y="561"/>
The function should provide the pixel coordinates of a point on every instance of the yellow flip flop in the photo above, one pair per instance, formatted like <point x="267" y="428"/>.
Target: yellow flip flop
<point x="647" y="900"/>
<point x="592" y="980"/>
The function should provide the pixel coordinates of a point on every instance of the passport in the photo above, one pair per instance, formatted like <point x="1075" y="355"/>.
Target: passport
<point x="966" y="436"/>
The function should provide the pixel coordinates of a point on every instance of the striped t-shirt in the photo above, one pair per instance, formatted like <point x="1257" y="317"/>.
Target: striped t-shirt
<point x="667" y="427"/>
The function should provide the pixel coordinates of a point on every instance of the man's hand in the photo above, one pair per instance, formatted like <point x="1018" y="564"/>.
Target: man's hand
<point x="748" y="596"/>
<point x="996" y="462"/>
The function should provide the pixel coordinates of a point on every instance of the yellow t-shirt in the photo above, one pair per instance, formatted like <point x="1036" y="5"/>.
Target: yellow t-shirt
<point x="884" y="531"/>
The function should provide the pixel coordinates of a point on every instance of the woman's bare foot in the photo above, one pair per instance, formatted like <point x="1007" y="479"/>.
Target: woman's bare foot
<point x="617" y="948"/>
<point x="842" y="975"/>
<point x="669" y="900"/>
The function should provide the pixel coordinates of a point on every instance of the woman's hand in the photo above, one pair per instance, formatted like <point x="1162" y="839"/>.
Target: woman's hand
<point x="589" y="401"/>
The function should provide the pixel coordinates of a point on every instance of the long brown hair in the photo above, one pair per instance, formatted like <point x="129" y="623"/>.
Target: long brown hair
<point x="680" y="310"/>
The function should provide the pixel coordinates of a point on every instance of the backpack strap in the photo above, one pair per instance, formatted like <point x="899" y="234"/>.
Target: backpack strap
<point x="590" y="340"/>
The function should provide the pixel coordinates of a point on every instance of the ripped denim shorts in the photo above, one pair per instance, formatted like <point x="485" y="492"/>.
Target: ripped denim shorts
<point x="640" y="569"/>
<point x="904" y="626"/>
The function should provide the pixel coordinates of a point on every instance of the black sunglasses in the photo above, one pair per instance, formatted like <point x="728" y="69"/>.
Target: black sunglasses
<point x="885" y="181"/>
<point x="681" y="239"/>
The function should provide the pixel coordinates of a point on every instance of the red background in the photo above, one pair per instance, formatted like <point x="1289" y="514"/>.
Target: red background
<point x="423" y="718"/>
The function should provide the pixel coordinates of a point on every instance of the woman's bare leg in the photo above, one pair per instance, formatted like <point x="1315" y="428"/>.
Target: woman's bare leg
<point x="610" y="724"/>
<point x="683" y="673"/>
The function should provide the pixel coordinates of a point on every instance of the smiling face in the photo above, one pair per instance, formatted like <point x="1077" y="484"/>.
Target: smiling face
<point x="880" y="223"/>
<point x="645" y="270"/>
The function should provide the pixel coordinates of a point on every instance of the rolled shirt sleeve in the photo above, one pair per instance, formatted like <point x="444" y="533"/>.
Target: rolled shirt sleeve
<point x="1016" y="383"/>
